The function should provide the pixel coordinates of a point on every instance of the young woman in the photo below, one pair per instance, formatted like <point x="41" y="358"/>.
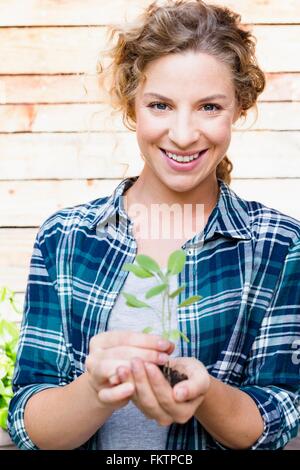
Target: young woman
<point x="86" y="377"/>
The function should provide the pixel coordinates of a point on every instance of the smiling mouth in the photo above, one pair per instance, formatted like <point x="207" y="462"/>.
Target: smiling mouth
<point x="181" y="158"/>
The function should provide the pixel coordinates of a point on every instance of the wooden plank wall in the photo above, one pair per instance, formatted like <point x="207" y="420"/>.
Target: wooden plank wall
<point x="59" y="148"/>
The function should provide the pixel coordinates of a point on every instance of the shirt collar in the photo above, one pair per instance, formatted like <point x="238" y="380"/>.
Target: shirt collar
<point x="229" y="218"/>
<point x="113" y="205"/>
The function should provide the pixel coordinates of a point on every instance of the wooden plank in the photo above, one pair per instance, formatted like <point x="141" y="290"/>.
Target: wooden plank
<point x="50" y="50"/>
<point x="281" y="194"/>
<point x="32" y="89"/>
<point x="265" y="154"/>
<point x="264" y="11"/>
<point x="273" y="116"/>
<point x="95" y="12"/>
<point x="67" y="156"/>
<point x="281" y="87"/>
<point x="77" y="49"/>
<point x="28" y="203"/>
<point x="117" y="155"/>
<point x="58" y="118"/>
<point x="68" y="12"/>
<point x="35" y="89"/>
<point x="16" y="246"/>
<point x="97" y="117"/>
<point x="278" y="48"/>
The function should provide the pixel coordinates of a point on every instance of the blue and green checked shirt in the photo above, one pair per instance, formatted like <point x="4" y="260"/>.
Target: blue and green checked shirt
<point x="246" y="328"/>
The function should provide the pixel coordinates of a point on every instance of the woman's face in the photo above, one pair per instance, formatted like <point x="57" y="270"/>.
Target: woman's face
<point x="194" y="113"/>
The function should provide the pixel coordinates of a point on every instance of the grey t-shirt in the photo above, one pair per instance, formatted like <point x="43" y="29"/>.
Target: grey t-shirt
<point x="128" y="428"/>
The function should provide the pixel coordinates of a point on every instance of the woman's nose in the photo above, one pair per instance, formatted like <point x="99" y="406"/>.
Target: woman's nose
<point x="184" y="134"/>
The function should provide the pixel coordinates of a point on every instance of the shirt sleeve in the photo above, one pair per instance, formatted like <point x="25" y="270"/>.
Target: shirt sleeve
<point x="42" y="357"/>
<point x="272" y="374"/>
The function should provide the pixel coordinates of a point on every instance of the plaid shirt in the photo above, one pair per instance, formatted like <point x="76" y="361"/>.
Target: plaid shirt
<point x="246" y="328"/>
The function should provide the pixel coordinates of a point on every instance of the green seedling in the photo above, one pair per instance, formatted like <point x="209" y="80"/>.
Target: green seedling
<point x="147" y="267"/>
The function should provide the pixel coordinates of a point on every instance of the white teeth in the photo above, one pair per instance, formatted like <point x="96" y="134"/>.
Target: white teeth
<point x="179" y="158"/>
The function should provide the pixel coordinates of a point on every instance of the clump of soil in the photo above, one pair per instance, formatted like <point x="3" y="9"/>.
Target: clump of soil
<point x="172" y="375"/>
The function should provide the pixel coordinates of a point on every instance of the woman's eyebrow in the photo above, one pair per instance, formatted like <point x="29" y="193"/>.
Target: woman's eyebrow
<point x="207" y="98"/>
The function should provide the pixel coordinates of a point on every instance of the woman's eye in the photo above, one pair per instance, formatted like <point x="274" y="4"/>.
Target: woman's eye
<point x="211" y="105"/>
<point x="155" y="106"/>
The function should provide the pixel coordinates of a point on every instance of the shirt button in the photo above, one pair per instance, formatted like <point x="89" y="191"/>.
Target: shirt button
<point x="189" y="252"/>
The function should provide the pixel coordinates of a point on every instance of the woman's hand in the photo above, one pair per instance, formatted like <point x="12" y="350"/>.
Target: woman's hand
<point x="157" y="399"/>
<point x="110" y="350"/>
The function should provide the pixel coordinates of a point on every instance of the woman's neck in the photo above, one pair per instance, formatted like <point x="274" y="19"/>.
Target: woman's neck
<point x="148" y="191"/>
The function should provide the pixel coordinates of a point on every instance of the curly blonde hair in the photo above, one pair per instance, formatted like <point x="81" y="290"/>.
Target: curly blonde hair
<point x="175" y="26"/>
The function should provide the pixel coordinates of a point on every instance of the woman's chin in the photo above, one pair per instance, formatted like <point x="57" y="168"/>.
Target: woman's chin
<point x="181" y="183"/>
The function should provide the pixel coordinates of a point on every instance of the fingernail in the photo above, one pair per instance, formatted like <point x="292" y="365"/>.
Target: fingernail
<point x="180" y="394"/>
<point x="163" y="358"/>
<point x="163" y="344"/>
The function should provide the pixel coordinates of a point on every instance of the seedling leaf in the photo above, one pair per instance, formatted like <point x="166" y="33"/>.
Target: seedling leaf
<point x="166" y="335"/>
<point x="184" y="337"/>
<point x="148" y="263"/>
<point x="132" y="301"/>
<point x="190" y="301"/>
<point x="137" y="270"/>
<point x="156" y="290"/>
<point x="176" y="262"/>
<point x="177" y="291"/>
<point x="148" y="329"/>
<point x="175" y="335"/>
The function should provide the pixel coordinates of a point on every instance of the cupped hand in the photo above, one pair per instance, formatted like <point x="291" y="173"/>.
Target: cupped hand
<point x="157" y="399"/>
<point x="110" y="350"/>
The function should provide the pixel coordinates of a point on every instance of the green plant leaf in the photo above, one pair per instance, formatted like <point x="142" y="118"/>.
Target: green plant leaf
<point x="137" y="270"/>
<point x="2" y="388"/>
<point x="2" y="294"/>
<point x="132" y="301"/>
<point x="176" y="262"/>
<point x="148" y="263"/>
<point x="156" y="290"/>
<point x="165" y="335"/>
<point x="4" y="366"/>
<point x="177" y="291"/>
<point x="175" y="335"/>
<point x="11" y="369"/>
<point x="12" y="349"/>
<point x="8" y="394"/>
<point x="13" y="305"/>
<point x="184" y="337"/>
<point x="3" y="418"/>
<point x="190" y="301"/>
<point x="9" y="335"/>
<point x="147" y="330"/>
